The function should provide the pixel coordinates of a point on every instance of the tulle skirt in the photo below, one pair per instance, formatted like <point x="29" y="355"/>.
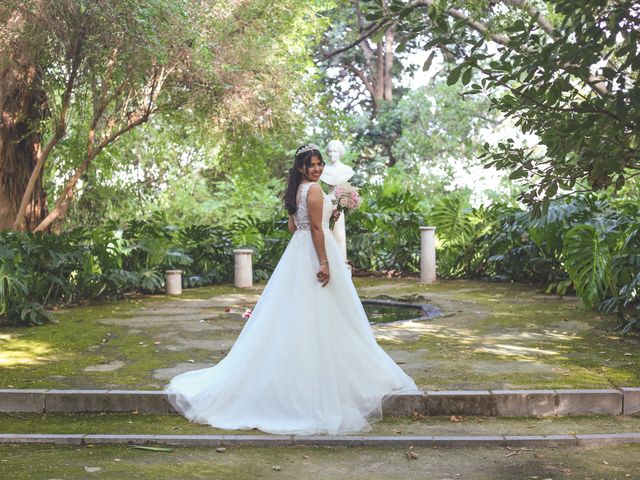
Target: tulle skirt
<point x="306" y="362"/>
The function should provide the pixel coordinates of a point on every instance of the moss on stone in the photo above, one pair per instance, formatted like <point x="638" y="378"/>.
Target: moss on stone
<point x="492" y="336"/>
<point x="121" y="423"/>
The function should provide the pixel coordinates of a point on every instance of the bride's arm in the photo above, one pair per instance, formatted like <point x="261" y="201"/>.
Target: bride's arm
<point x="314" y="207"/>
<point x="292" y="224"/>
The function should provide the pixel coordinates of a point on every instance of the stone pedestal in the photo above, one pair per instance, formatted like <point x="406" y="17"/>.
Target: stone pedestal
<point x="243" y="274"/>
<point x="173" y="282"/>
<point x="428" y="254"/>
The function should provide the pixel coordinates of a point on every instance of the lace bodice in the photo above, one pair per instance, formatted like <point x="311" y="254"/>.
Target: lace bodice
<point x="301" y="217"/>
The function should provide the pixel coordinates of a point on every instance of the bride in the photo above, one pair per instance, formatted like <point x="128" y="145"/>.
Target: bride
<point x="306" y="362"/>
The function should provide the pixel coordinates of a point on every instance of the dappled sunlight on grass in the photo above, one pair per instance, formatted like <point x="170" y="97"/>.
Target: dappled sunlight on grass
<point x="544" y="335"/>
<point x="18" y="352"/>
<point x="514" y="350"/>
<point x="403" y="331"/>
<point x="231" y="298"/>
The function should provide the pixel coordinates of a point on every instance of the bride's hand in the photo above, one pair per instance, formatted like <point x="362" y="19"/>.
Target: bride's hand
<point x="323" y="274"/>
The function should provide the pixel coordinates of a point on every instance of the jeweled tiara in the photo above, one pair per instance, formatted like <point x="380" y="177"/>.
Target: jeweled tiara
<point x="307" y="148"/>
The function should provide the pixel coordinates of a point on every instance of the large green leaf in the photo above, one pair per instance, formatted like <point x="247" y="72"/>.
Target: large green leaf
<point x="587" y="260"/>
<point x="452" y="220"/>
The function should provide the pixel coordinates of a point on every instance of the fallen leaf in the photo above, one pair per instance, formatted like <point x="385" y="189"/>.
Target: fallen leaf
<point x="221" y="449"/>
<point x="305" y="456"/>
<point x="455" y="418"/>
<point x="605" y="462"/>
<point x="152" y="449"/>
<point x="417" y="416"/>
<point x="512" y="453"/>
<point x="411" y="455"/>
<point x="277" y="468"/>
<point x="92" y="469"/>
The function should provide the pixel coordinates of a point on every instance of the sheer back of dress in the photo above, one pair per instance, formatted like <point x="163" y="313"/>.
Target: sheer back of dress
<point x="301" y="217"/>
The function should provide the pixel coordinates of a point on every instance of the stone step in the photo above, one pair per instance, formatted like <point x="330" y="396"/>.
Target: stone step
<point x="516" y="441"/>
<point x="504" y="403"/>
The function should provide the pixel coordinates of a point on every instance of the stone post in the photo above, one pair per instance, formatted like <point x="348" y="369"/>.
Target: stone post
<point x="243" y="275"/>
<point x="428" y="254"/>
<point x="173" y="282"/>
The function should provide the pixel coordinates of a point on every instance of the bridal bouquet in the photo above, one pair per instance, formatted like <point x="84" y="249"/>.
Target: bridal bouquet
<point x="345" y="198"/>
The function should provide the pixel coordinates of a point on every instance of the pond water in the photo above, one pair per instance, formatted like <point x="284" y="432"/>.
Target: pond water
<point x="379" y="313"/>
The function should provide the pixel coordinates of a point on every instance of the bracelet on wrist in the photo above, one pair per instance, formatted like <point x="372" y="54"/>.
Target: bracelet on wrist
<point x="326" y="261"/>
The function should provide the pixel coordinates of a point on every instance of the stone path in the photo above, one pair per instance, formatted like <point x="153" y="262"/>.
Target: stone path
<point x="488" y="349"/>
<point x="491" y="337"/>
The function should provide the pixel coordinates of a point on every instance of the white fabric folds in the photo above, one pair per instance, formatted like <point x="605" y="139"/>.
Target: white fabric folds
<point x="306" y="362"/>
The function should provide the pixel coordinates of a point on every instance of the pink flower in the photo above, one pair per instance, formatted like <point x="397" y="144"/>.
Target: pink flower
<point x="247" y="314"/>
<point x="345" y="198"/>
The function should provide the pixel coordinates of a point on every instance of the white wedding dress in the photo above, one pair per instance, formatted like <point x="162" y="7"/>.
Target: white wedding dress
<point x="306" y="362"/>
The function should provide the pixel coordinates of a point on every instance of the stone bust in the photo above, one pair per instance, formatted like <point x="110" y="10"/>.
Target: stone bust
<point x="335" y="172"/>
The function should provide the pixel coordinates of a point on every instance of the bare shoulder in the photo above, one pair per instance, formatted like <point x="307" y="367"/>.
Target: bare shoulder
<point x="315" y="193"/>
<point x="315" y="189"/>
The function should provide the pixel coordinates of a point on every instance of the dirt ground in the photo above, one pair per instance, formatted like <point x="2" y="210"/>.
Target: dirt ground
<point x="344" y="463"/>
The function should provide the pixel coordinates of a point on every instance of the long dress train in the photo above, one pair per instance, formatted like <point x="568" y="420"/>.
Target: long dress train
<point x="306" y="361"/>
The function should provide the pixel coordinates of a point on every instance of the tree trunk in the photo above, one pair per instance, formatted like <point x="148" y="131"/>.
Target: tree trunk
<point x="22" y="106"/>
<point x="389" y="38"/>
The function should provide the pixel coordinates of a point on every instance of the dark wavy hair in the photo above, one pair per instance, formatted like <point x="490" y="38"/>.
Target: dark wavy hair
<point x="295" y="176"/>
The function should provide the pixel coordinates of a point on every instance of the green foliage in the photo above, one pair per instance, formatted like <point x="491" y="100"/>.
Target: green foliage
<point x="223" y="78"/>
<point x="565" y="70"/>
<point x="587" y="254"/>
<point x="584" y="244"/>
<point x="383" y="234"/>
<point x="40" y="270"/>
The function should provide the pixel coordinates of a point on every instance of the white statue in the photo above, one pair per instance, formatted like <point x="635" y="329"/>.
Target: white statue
<point x="335" y="172"/>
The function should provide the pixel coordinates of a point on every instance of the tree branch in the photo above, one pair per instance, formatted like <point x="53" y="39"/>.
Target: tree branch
<point x="150" y="94"/>
<point x="372" y="30"/>
<point x="597" y="84"/>
<point x="61" y="128"/>
<point x="362" y="76"/>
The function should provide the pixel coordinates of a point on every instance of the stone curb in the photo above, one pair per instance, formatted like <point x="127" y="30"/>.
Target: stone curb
<point x="324" y="440"/>
<point x="501" y="403"/>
